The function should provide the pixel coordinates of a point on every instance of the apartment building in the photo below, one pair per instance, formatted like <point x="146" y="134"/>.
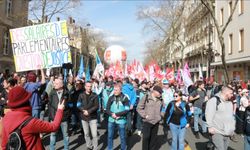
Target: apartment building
<point x="13" y="14"/>
<point x="236" y="38"/>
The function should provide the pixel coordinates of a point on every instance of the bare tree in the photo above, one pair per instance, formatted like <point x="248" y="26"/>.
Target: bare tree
<point x="165" y="19"/>
<point x="220" y="30"/>
<point x="45" y="10"/>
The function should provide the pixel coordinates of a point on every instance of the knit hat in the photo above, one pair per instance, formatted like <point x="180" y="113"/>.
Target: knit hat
<point x="31" y="77"/>
<point x="18" y="97"/>
<point x="158" y="89"/>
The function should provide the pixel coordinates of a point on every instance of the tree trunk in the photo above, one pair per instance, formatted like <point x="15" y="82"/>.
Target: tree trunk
<point x="224" y="62"/>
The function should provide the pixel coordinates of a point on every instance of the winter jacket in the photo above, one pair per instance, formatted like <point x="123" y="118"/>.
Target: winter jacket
<point x="185" y="119"/>
<point x="150" y="107"/>
<point x="221" y="118"/>
<point x="30" y="132"/>
<point x="73" y="97"/>
<point x="128" y="89"/>
<point x="106" y="94"/>
<point x="247" y="122"/>
<point x="53" y="103"/>
<point x="118" y="105"/>
<point x="90" y="104"/>
<point x="35" y="100"/>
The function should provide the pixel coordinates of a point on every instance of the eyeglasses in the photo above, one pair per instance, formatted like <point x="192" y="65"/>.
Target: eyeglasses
<point x="176" y="95"/>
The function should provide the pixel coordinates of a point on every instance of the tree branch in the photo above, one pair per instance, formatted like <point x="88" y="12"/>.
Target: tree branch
<point x="230" y="17"/>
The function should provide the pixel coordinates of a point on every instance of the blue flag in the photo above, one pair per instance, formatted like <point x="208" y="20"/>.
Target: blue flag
<point x="81" y="69"/>
<point x="65" y="76"/>
<point x="87" y="74"/>
<point x="99" y="69"/>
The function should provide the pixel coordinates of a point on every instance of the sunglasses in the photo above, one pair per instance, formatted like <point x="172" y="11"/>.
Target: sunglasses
<point x="176" y="95"/>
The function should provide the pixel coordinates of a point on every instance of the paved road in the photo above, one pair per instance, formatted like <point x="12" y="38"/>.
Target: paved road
<point x="77" y="141"/>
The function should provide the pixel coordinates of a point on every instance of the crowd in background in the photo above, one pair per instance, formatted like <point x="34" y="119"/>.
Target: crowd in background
<point x="126" y="105"/>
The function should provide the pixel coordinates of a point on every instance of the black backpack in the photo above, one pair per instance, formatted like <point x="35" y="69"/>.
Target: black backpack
<point x="247" y="121"/>
<point x="15" y="140"/>
<point x="204" y="105"/>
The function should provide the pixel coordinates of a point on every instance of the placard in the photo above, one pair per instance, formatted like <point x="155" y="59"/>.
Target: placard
<point x="40" y="46"/>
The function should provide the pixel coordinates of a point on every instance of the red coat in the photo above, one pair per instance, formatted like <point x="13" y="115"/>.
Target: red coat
<point x="32" y="130"/>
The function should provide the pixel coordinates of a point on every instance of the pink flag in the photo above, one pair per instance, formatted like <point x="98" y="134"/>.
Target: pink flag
<point x="186" y="69"/>
<point x="178" y="78"/>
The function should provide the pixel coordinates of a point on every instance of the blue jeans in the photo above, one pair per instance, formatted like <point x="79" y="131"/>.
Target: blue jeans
<point x="198" y="114"/>
<point x="246" y="142"/>
<point x="64" y="128"/>
<point x="178" y="136"/>
<point x="42" y="114"/>
<point x="122" y="134"/>
<point x="36" y="113"/>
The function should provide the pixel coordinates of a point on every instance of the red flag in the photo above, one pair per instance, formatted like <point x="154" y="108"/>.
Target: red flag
<point x="170" y="75"/>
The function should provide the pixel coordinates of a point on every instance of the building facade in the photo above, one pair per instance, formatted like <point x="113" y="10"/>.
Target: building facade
<point x="196" y="34"/>
<point x="81" y="45"/>
<point x="198" y="38"/>
<point x="236" y="38"/>
<point x="13" y="14"/>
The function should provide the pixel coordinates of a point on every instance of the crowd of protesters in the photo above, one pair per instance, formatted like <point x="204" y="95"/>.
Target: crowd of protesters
<point x="126" y="105"/>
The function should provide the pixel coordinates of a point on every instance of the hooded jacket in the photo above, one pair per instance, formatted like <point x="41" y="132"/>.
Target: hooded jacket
<point x="35" y="100"/>
<point x="150" y="107"/>
<point x="128" y="89"/>
<point x="30" y="132"/>
<point x="120" y="106"/>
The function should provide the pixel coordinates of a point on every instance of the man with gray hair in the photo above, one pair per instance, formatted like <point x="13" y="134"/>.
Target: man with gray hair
<point x="220" y="118"/>
<point x="57" y="95"/>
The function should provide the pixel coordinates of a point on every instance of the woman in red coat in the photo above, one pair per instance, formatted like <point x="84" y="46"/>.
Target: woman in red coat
<point x="18" y="101"/>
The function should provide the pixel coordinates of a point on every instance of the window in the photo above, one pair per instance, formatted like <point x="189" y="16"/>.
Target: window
<point x="230" y="44"/>
<point x="8" y="7"/>
<point x="241" y="40"/>
<point x="221" y="16"/>
<point x="241" y="6"/>
<point x="6" y="43"/>
<point x="230" y="7"/>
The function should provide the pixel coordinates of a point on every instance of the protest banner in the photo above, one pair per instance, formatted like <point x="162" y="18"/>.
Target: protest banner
<point x="40" y="46"/>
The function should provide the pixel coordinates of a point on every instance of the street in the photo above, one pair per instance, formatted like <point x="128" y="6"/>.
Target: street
<point x="77" y="141"/>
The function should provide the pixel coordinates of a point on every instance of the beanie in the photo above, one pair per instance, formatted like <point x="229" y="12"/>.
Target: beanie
<point x="18" y="97"/>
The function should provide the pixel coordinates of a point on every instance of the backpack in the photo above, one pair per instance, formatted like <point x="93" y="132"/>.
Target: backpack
<point x="247" y="121"/>
<point x="15" y="140"/>
<point x="204" y="105"/>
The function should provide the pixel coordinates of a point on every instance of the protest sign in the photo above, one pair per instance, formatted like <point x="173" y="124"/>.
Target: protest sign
<point x="40" y="46"/>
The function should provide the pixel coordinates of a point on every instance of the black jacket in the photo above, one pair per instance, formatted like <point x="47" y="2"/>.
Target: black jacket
<point x="90" y="104"/>
<point x="53" y="103"/>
